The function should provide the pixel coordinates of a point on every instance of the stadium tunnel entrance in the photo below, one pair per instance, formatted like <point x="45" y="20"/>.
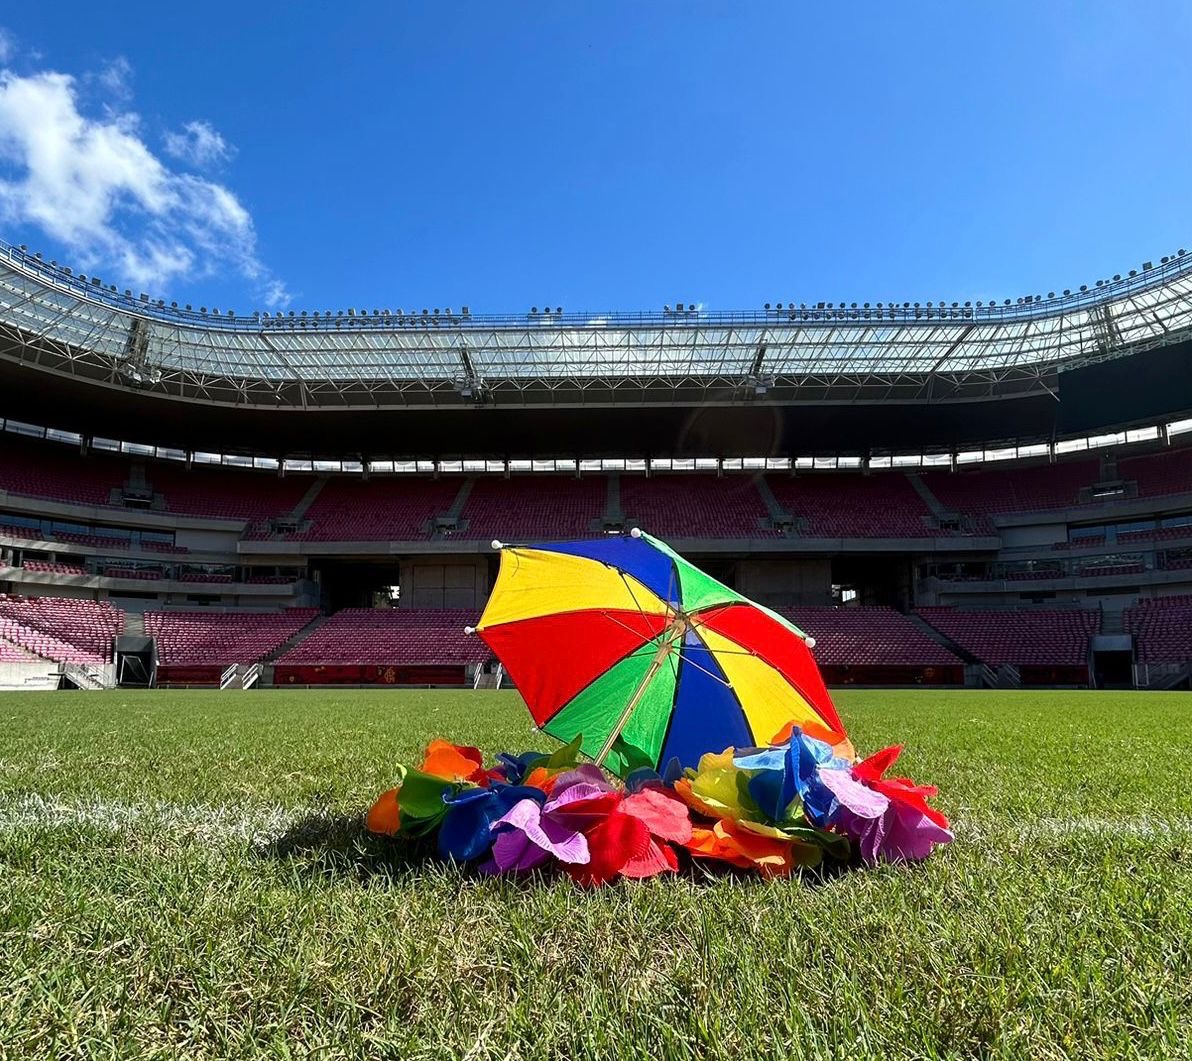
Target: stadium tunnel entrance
<point x="357" y="583"/>
<point x="427" y="582"/>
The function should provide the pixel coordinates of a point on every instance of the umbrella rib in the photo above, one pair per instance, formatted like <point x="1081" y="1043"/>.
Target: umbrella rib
<point x="714" y="677"/>
<point x="632" y="595"/>
<point x="626" y="626"/>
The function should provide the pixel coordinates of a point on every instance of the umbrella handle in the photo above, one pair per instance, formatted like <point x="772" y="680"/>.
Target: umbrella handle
<point x="664" y="650"/>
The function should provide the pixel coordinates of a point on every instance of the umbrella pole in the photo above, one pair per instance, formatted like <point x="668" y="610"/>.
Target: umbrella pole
<point x="664" y="650"/>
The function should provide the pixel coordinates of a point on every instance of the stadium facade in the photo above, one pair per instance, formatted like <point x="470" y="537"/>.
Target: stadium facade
<point x="942" y="492"/>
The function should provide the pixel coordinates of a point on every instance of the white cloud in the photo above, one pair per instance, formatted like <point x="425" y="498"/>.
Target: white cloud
<point x="8" y="45"/>
<point x="94" y="185"/>
<point x="116" y="78"/>
<point x="199" y="144"/>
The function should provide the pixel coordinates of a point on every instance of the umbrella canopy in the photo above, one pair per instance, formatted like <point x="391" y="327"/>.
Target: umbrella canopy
<point x="624" y="644"/>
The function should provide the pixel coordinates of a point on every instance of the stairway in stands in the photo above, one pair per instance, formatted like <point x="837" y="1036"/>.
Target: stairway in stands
<point x="297" y="639"/>
<point x="779" y="517"/>
<point x="930" y="500"/>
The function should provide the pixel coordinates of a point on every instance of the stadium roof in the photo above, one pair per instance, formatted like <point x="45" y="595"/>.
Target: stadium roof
<point x="73" y="330"/>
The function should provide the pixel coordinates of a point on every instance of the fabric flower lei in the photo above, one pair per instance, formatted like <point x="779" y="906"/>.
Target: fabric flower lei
<point x="771" y="810"/>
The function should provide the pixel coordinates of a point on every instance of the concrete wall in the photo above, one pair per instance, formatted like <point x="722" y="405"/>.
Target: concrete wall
<point x="779" y="582"/>
<point x="28" y="676"/>
<point x="448" y="582"/>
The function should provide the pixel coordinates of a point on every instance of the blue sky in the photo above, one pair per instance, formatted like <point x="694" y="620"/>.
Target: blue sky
<point x="596" y="156"/>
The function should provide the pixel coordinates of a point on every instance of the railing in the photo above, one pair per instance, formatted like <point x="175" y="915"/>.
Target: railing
<point x="1025" y="308"/>
<point x="241" y="676"/>
<point x="88" y="677"/>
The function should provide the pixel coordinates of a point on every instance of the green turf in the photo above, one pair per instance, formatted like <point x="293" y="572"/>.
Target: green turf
<point x="148" y="909"/>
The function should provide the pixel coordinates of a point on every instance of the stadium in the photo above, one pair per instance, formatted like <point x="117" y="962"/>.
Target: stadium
<point x="946" y="493"/>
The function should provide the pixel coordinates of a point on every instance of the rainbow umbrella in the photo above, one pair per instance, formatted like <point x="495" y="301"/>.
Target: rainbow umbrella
<point x="624" y="644"/>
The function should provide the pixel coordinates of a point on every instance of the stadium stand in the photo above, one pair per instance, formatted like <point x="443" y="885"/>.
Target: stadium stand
<point x="58" y="473"/>
<point x="44" y="568"/>
<point x="695" y="506"/>
<point x="193" y="647"/>
<point x="233" y="494"/>
<point x="833" y="439"/>
<point x="388" y="646"/>
<point x="1021" y="637"/>
<point x="64" y="630"/>
<point x="366" y="635"/>
<point x="12" y="653"/>
<point x="142" y="574"/>
<point x="1162" y="629"/>
<point x="868" y="634"/>
<point x="529" y="509"/>
<point x="980" y="494"/>
<point x="882" y="505"/>
<point x="397" y="509"/>
<point x="875" y="645"/>
<point x="1159" y="474"/>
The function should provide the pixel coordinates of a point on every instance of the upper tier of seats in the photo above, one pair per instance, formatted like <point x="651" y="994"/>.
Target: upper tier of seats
<point x="201" y="638"/>
<point x="980" y="494"/>
<point x="527" y="510"/>
<point x="695" y="506"/>
<point x="217" y="493"/>
<point x="884" y="504"/>
<point x="391" y="636"/>
<point x="59" y="473"/>
<point x="60" y="629"/>
<point x="400" y="508"/>
<point x="1019" y="636"/>
<point x="881" y="505"/>
<point x="1162" y="629"/>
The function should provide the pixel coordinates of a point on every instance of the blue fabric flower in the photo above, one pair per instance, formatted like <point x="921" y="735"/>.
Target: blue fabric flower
<point x="647" y="777"/>
<point x="517" y="766"/>
<point x="466" y="832"/>
<point x="784" y="774"/>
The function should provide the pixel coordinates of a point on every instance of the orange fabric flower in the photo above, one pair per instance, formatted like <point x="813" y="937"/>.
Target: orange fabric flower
<point x="454" y="762"/>
<point x="731" y="842"/>
<point x="541" y="777"/>
<point x="384" y="816"/>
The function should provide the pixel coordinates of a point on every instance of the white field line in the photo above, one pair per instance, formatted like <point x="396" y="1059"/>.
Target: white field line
<point x="200" y="821"/>
<point x="261" y="823"/>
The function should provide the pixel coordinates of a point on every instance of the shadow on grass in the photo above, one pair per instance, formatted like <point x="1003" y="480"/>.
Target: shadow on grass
<point x="339" y="846"/>
<point x="326" y="845"/>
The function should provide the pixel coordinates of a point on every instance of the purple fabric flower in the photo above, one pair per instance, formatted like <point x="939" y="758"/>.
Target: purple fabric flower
<point x="882" y="828"/>
<point x="528" y="836"/>
<point x="584" y="774"/>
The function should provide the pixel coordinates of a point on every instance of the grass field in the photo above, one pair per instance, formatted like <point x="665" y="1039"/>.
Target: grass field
<point x="181" y="876"/>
